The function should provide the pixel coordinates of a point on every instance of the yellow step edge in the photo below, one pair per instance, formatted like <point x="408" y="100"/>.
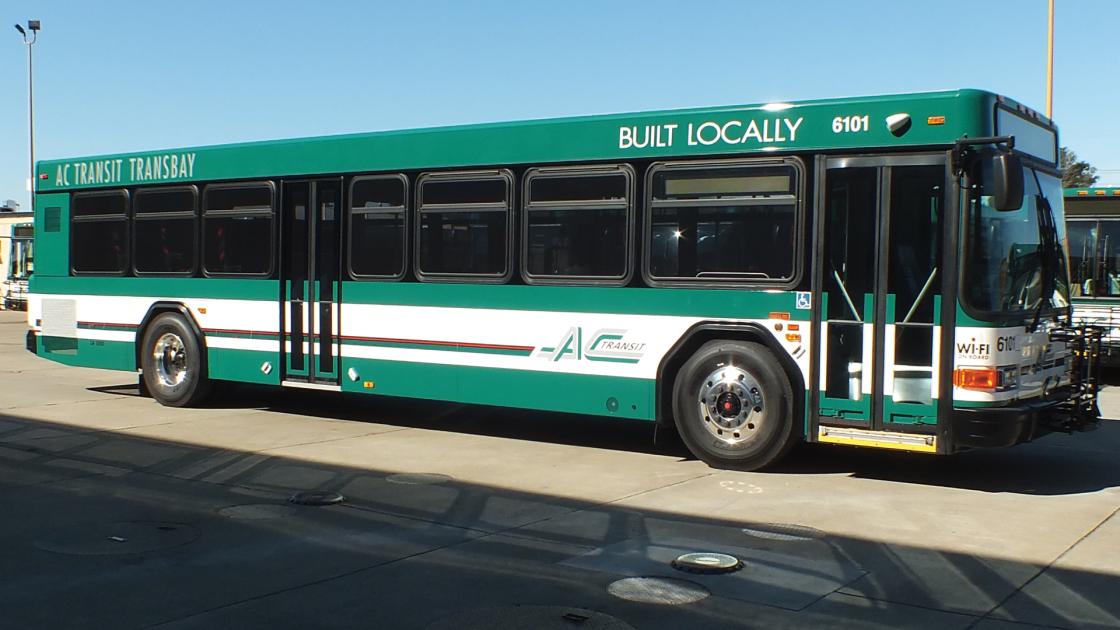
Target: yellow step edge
<point x="878" y="439"/>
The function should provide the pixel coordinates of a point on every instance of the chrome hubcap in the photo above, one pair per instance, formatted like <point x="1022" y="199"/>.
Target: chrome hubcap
<point x="731" y="405"/>
<point x="170" y="360"/>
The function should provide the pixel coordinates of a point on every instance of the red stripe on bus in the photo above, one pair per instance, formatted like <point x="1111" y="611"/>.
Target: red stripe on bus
<point x="487" y="346"/>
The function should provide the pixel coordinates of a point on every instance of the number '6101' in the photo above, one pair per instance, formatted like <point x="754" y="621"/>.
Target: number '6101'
<point x="851" y="124"/>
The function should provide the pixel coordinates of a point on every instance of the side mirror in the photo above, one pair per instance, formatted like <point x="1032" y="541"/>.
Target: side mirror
<point x="1007" y="181"/>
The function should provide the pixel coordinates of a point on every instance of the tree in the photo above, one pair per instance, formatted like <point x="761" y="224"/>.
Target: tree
<point x="1075" y="173"/>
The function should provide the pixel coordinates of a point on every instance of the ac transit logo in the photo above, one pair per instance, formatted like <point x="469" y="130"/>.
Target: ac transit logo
<point x="605" y="344"/>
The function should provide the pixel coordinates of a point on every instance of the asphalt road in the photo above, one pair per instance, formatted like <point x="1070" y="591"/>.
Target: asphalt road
<point x="116" y="512"/>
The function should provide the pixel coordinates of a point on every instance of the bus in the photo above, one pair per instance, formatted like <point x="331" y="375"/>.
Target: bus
<point x="21" y="262"/>
<point x="884" y="271"/>
<point x="1093" y="225"/>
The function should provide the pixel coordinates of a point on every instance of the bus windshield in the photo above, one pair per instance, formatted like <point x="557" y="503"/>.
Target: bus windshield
<point x="1015" y="260"/>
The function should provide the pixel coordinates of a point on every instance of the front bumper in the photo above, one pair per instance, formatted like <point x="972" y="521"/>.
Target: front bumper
<point x="1006" y="426"/>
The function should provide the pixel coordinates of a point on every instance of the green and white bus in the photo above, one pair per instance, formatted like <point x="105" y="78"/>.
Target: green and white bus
<point x="884" y="271"/>
<point x="1093" y="223"/>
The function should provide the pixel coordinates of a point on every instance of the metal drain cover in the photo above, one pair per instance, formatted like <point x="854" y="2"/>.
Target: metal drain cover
<point x="658" y="590"/>
<point x="784" y="532"/>
<point x="316" y="498"/>
<point x="536" y="617"/>
<point x="418" y="479"/>
<point x="708" y="563"/>
<point x="257" y="511"/>
<point x="106" y="539"/>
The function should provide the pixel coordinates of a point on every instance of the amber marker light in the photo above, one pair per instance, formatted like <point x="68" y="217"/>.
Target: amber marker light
<point x="976" y="378"/>
<point x="935" y="120"/>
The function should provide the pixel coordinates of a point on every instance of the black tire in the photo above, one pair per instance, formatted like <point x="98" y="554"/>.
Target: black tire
<point x="740" y="378"/>
<point x="173" y="362"/>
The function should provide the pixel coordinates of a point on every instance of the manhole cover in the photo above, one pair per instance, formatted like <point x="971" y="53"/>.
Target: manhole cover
<point x="316" y="497"/>
<point x="105" y="539"/>
<point x="257" y="511"/>
<point x="655" y="590"/>
<point x="418" y="479"/>
<point x="536" y="617"/>
<point x="709" y="563"/>
<point x="784" y="532"/>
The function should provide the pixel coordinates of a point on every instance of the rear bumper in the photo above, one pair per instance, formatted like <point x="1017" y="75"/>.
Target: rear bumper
<point x="1007" y="426"/>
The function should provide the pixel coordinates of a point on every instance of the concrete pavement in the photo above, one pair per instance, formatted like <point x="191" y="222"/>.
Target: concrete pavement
<point x="117" y="512"/>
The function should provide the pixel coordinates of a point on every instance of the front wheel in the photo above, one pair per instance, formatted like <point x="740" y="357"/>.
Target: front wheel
<point x="733" y="405"/>
<point x="172" y="361"/>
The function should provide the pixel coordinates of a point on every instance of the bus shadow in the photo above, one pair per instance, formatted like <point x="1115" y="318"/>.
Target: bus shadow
<point x="1054" y="465"/>
<point x="212" y="524"/>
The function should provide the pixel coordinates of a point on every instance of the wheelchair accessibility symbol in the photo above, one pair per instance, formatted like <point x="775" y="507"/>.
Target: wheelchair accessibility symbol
<point x="804" y="300"/>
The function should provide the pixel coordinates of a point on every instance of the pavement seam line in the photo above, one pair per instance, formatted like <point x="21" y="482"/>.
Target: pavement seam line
<point x="1049" y="565"/>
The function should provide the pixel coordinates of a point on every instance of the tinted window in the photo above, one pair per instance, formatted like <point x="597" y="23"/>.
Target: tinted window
<point x="100" y="204"/>
<point x="377" y="192"/>
<point x="377" y="244"/>
<point x="377" y="227"/>
<point x="577" y="226"/>
<point x="99" y="233"/>
<point x="578" y="188"/>
<point x="165" y="246"/>
<point x="464" y="226"/>
<point x="723" y="223"/>
<point x="464" y="192"/>
<point x="238" y="245"/>
<point x="463" y="243"/>
<point x="242" y="199"/>
<point x="237" y="230"/>
<point x="100" y="247"/>
<point x="165" y="231"/>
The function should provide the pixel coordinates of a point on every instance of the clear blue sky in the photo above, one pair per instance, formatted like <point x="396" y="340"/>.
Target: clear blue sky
<point x="119" y="75"/>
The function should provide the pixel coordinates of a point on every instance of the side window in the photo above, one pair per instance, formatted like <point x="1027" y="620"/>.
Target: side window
<point x="464" y="226"/>
<point x="237" y="229"/>
<point x="165" y="231"/>
<point x="99" y="233"/>
<point x="577" y="225"/>
<point x="723" y="222"/>
<point x="378" y="215"/>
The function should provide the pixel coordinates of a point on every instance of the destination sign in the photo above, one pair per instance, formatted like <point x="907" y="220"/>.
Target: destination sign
<point x="150" y="168"/>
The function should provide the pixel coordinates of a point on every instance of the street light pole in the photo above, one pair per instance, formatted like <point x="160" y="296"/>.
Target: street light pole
<point x="33" y="26"/>
<point x="1050" y="64"/>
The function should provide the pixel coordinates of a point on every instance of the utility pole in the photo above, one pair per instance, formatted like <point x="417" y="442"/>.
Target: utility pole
<point x="29" y="39"/>
<point x="1050" y="65"/>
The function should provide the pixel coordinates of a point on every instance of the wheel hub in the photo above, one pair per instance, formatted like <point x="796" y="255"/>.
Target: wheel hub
<point x="170" y="354"/>
<point x="731" y="405"/>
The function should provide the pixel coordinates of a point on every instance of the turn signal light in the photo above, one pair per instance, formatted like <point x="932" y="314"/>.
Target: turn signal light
<point x="976" y="378"/>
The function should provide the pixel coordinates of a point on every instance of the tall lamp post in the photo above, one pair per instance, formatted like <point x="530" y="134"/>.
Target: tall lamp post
<point x="29" y="39"/>
<point x="1050" y="63"/>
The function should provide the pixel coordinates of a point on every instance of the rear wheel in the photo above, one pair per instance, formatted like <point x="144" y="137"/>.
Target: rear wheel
<point x="172" y="361"/>
<point x="733" y="405"/>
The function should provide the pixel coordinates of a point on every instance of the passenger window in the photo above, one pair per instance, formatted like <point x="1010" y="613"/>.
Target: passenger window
<point x="165" y="231"/>
<point x="99" y="233"/>
<point x="577" y="225"/>
<point x="237" y="230"/>
<point x="378" y="226"/>
<point x="464" y="226"/>
<point x="734" y="222"/>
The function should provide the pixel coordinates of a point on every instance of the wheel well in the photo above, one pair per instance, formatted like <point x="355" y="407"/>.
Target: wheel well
<point x="704" y="332"/>
<point x="159" y="308"/>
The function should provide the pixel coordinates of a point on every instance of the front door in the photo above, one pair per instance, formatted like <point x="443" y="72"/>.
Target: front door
<point x="309" y="303"/>
<point x="879" y="281"/>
